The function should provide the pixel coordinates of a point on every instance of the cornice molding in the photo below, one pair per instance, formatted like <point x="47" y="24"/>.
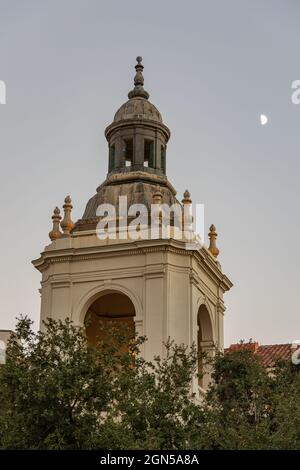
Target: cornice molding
<point x="68" y="255"/>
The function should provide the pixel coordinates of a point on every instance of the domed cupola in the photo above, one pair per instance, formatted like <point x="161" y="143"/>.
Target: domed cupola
<point x="137" y="141"/>
<point x="137" y="137"/>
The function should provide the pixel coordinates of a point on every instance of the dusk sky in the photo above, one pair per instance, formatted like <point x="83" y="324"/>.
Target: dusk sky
<point x="212" y="67"/>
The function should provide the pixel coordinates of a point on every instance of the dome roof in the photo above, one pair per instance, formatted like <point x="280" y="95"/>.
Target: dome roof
<point x="139" y="188"/>
<point x="137" y="108"/>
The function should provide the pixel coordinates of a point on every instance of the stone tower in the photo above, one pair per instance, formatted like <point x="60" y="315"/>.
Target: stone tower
<point x="154" y="284"/>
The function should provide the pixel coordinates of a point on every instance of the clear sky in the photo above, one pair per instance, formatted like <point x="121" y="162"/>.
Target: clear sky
<point x="211" y="67"/>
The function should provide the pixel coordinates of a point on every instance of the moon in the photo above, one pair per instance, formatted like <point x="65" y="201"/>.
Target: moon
<point x="263" y="119"/>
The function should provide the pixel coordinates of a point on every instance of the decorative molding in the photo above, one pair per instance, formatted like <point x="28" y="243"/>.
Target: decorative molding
<point x="220" y="307"/>
<point x="194" y="277"/>
<point x="57" y="282"/>
<point x="203" y="257"/>
<point x="89" y="295"/>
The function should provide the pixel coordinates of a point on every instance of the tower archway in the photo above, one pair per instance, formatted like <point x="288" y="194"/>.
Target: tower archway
<point x="111" y="309"/>
<point x="205" y="340"/>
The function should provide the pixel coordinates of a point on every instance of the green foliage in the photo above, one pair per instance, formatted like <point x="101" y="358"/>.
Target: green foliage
<point x="57" y="392"/>
<point x="240" y="397"/>
<point x="252" y="407"/>
<point x="52" y="388"/>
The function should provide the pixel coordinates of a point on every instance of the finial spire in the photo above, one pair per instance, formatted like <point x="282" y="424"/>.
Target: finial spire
<point x="138" y="90"/>
<point x="67" y="224"/>
<point x="139" y="79"/>
<point x="186" y="197"/>
<point x="55" y="232"/>
<point x="212" y="241"/>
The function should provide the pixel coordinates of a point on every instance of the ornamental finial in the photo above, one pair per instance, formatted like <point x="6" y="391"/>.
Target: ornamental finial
<point x="67" y="224"/>
<point x="187" y="216"/>
<point x="138" y="90"/>
<point x="186" y="197"/>
<point x="55" y="232"/>
<point x="212" y="241"/>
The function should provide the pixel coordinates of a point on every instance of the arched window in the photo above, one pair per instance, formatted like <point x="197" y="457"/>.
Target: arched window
<point x="205" y="344"/>
<point x="128" y="152"/>
<point x="111" y="160"/>
<point x="149" y="153"/>
<point x="163" y="159"/>
<point x="111" y="309"/>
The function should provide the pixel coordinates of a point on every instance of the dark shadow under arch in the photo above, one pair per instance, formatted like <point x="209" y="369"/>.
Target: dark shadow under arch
<point x="205" y="342"/>
<point x="112" y="309"/>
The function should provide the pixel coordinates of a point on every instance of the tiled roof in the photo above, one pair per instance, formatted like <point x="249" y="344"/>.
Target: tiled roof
<point x="270" y="353"/>
<point x="267" y="353"/>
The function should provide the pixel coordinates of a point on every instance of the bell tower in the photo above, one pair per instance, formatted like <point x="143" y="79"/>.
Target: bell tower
<point x="154" y="284"/>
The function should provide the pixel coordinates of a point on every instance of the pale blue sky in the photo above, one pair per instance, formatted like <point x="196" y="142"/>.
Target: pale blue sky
<point x="211" y="67"/>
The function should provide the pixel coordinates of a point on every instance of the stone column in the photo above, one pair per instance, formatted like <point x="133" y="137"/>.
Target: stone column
<point x="138" y="157"/>
<point x="157" y="151"/>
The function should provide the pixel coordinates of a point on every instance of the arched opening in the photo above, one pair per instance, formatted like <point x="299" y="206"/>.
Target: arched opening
<point x="205" y="344"/>
<point x="149" y="153"/>
<point x="110" y="310"/>
<point x="128" y="152"/>
<point x="111" y="159"/>
<point x="163" y="159"/>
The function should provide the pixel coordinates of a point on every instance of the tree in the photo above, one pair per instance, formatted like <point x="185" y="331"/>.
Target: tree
<point x="52" y="388"/>
<point x="250" y="406"/>
<point x="239" y="397"/>
<point x="57" y="392"/>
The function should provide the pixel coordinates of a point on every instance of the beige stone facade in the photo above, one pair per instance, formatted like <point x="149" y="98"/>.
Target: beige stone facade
<point x="4" y="336"/>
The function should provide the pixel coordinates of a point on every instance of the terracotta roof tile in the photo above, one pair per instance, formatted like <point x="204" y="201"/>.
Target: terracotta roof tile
<point x="267" y="353"/>
<point x="270" y="353"/>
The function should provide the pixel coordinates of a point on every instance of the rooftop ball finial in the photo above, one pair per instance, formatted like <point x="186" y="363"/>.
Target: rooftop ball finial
<point x="138" y="90"/>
